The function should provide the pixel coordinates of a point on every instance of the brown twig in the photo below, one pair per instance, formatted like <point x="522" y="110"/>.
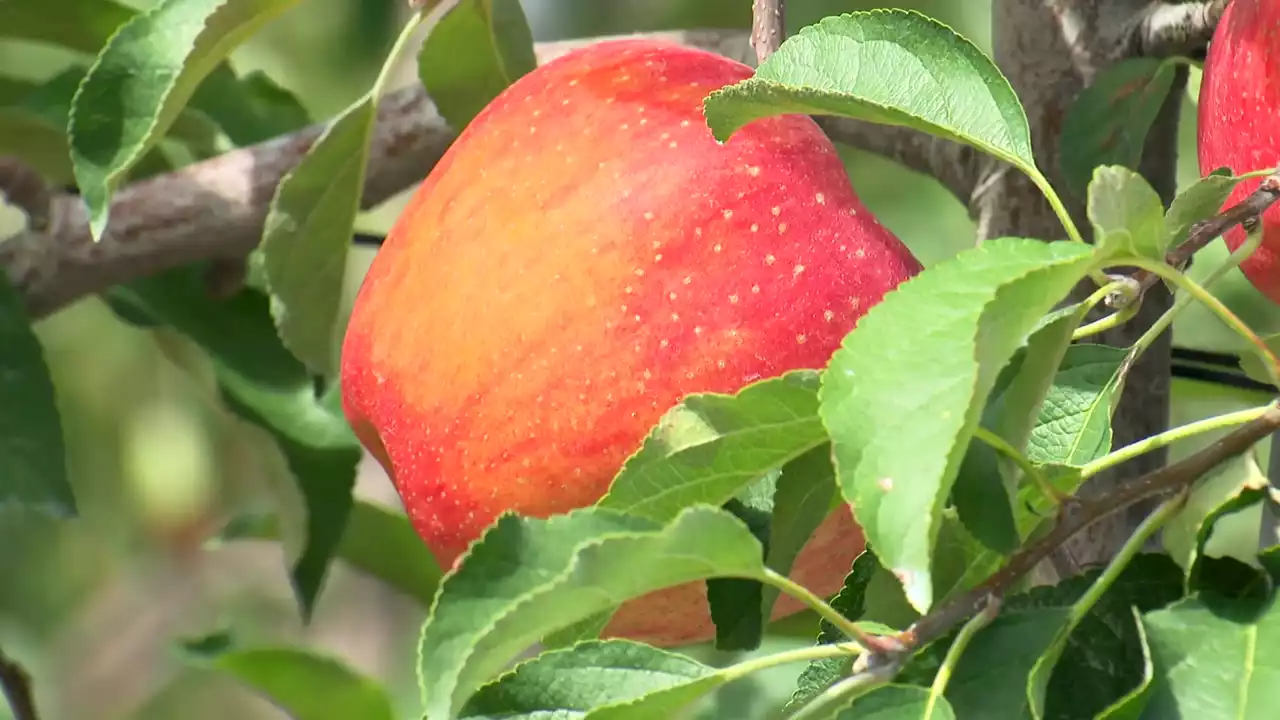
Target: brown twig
<point x="1206" y="231"/>
<point x="768" y="27"/>
<point x="1169" y="479"/>
<point x="16" y="684"/>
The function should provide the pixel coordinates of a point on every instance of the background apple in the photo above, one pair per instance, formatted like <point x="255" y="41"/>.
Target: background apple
<point x="585" y="255"/>
<point x="1239" y="102"/>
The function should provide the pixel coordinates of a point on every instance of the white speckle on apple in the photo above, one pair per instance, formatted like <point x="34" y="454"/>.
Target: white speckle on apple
<point x="733" y="299"/>
<point x="820" y="198"/>
<point x="687" y="279"/>
<point x="754" y="227"/>
<point x="716" y="247"/>
<point x="828" y="315"/>
<point x="727" y="214"/>
<point x="753" y="170"/>
<point x="755" y="289"/>
<point x="776" y="210"/>
<point x="770" y="259"/>
<point x="797" y="270"/>
<point x="648" y="216"/>
<point x="782" y="228"/>
<point x="800" y="339"/>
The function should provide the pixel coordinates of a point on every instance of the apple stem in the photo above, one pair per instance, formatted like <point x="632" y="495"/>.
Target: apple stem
<point x="768" y="27"/>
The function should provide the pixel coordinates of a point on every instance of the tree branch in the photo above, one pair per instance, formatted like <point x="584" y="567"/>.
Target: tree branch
<point x="1167" y="29"/>
<point x="768" y="27"/>
<point x="1245" y="212"/>
<point x="1155" y="484"/>
<point x="215" y="209"/>
<point x="16" y="685"/>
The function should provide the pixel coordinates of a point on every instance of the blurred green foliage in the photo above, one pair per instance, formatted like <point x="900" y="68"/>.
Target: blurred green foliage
<point x="157" y="464"/>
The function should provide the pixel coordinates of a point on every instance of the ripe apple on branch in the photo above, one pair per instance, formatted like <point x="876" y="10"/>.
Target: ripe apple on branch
<point x="585" y="255"/>
<point x="645" y="371"/>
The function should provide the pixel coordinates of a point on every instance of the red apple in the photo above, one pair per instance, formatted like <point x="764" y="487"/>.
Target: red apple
<point x="1239" y="120"/>
<point x="581" y="258"/>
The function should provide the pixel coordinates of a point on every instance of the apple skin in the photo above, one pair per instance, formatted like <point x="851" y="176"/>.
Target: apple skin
<point x="1237" y="120"/>
<point x="582" y="257"/>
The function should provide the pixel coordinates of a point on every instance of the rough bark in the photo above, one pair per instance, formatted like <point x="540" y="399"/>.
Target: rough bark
<point x="1051" y="50"/>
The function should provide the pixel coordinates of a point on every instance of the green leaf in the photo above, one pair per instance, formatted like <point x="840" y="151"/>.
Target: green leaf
<point x="1074" y="424"/>
<point x="737" y="604"/>
<point x="376" y="540"/>
<point x="475" y="51"/>
<point x="307" y="235"/>
<point x="305" y="685"/>
<point x="82" y="25"/>
<point x="783" y="510"/>
<point x="236" y="332"/>
<point x="1202" y="200"/>
<point x="1237" y="481"/>
<point x="1096" y="653"/>
<point x="851" y="603"/>
<point x="1127" y="215"/>
<point x="33" y="467"/>
<point x="987" y="484"/>
<point x="267" y="386"/>
<point x="804" y="497"/>
<point x="712" y="446"/>
<point x="1130" y="705"/>
<point x="891" y="67"/>
<point x="1109" y="121"/>
<point x="1100" y="661"/>
<point x="987" y="682"/>
<point x="897" y="463"/>
<point x="249" y="109"/>
<point x="897" y="702"/>
<point x="322" y="454"/>
<point x="527" y="577"/>
<point x="600" y="680"/>
<point x="1218" y="659"/>
<point x="143" y="78"/>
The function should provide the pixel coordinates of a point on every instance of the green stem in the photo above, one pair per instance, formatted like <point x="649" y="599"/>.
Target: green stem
<point x="1115" y="319"/>
<point x="406" y="33"/>
<point x="1168" y="437"/>
<point x="841" y="695"/>
<point x="1216" y="306"/>
<point x="820" y="606"/>
<point x="1131" y="548"/>
<point x="1181" y="302"/>
<point x="1060" y="209"/>
<point x="970" y="629"/>
<point x="805" y="654"/>
<point x="1033" y="473"/>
